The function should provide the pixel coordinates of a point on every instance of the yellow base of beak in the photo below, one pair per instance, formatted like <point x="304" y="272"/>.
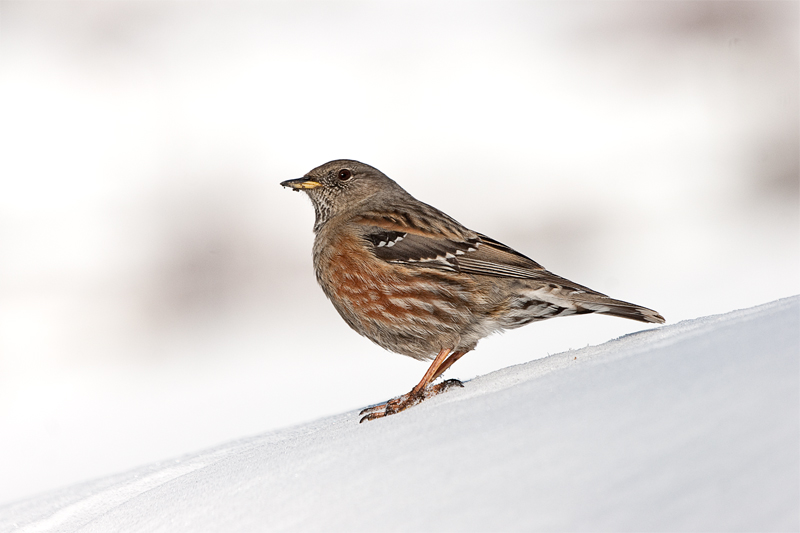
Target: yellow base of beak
<point x="301" y="183"/>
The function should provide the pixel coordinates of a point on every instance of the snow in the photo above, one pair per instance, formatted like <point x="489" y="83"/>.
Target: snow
<point x="692" y="426"/>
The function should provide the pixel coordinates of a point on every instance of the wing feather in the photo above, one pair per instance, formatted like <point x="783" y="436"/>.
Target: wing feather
<point x="446" y="244"/>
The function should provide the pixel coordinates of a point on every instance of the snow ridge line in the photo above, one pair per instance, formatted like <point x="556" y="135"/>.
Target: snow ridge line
<point x="128" y="486"/>
<point x="629" y="345"/>
<point x="87" y="509"/>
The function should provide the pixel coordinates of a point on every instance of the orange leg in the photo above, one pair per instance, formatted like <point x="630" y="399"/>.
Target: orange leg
<point x="421" y="391"/>
<point x="441" y="357"/>
<point x="452" y="358"/>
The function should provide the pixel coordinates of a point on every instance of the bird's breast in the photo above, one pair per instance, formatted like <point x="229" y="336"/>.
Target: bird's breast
<point x="377" y="297"/>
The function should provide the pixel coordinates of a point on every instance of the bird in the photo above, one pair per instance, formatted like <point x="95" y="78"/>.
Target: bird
<point x="415" y="281"/>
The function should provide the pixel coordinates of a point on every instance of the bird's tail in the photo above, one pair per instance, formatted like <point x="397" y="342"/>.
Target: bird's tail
<point x="634" y="312"/>
<point x="577" y="299"/>
<point x="629" y="310"/>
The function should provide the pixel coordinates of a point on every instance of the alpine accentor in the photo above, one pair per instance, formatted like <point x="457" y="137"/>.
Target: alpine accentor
<point x="416" y="282"/>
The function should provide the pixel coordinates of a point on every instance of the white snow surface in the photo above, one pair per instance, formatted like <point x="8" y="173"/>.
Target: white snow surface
<point x="693" y="426"/>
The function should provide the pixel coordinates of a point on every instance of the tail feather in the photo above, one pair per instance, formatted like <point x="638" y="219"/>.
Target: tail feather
<point x="609" y="306"/>
<point x="634" y="312"/>
<point x="577" y="299"/>
<point x="580" y="299"/>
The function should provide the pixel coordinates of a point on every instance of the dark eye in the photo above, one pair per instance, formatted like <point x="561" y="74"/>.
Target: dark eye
<point x="345" y="174"/>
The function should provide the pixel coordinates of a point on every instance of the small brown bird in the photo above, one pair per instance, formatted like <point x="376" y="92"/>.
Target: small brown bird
<point x="416" y="282"/>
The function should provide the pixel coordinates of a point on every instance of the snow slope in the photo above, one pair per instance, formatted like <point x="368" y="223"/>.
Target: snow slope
<point x="693" y="426"/>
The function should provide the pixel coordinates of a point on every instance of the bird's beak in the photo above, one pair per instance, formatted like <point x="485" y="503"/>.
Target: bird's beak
<point x="301" y="183"/>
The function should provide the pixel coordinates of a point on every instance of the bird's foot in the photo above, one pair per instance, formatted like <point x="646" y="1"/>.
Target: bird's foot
<point x="407" y="400"/>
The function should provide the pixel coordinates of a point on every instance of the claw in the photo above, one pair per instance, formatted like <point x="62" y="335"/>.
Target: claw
<point x="405" y="401"/>
<point x="373" y="409"/>
<point x="382" y="406"/>
<point x="446" y="385"/>
<point x="371" y="416"/>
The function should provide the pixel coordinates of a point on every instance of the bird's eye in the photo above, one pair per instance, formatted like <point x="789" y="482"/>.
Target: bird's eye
<point x="345" y="174"/>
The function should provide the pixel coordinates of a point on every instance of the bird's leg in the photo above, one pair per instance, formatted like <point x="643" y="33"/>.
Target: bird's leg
<point x="452" y="358"/>
<point x="421" y="391"/>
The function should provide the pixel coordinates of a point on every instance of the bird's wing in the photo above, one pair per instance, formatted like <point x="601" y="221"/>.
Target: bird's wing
<point x="429" y="238"/>
<point x="423" y="236"/>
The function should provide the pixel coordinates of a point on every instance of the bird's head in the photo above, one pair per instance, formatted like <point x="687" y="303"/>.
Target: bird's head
<point x="340" y="186"/>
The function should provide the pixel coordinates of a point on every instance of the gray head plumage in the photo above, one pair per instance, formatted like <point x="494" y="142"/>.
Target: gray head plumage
<point x="341" y="185"/>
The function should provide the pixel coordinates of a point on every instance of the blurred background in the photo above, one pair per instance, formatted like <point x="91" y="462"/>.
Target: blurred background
<point x="156" y="288"/>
